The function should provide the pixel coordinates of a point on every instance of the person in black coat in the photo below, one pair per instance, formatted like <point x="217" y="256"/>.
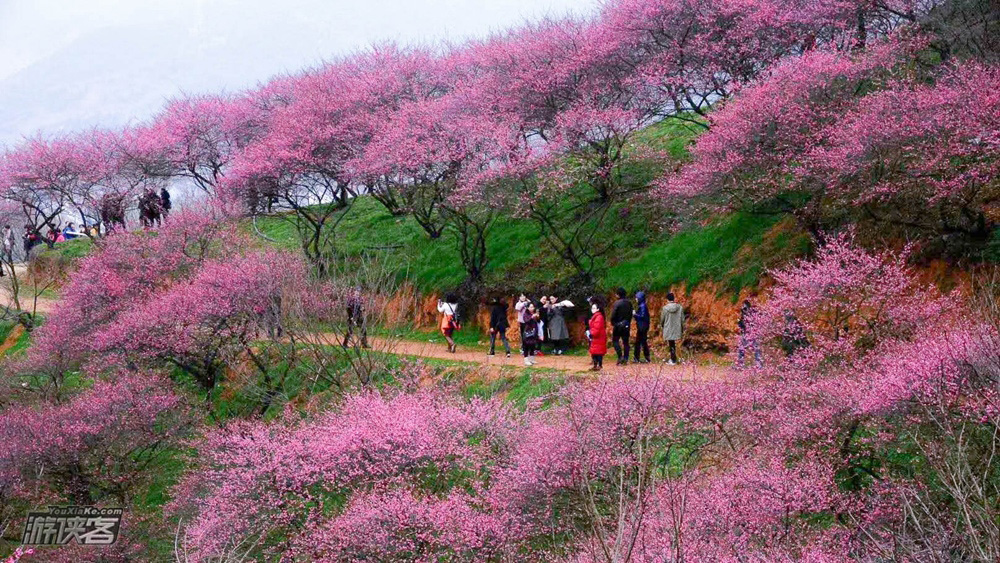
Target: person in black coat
<point x="165" y="204"/>
<point x="621" y="325"/>
<point x="356" y="319"/>
<point x="498" y="325"/>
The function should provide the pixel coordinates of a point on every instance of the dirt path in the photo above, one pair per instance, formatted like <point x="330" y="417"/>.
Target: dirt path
<point x="43" y="306"/>
<point x="691" y="371"/>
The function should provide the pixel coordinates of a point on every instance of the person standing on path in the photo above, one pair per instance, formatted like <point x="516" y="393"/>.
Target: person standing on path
<point x="672" y="321"/>
<point x="522" y="315"/>
<point x="621" y="325"/>
<point x="356" y="319"/>
<point x="747" y="312"/>
<point x="558" y="330"/>
<point x="597" y="333"/>
<point x="532" y="335"/>
<point x="498" y="325"/>
<point x="449" y="319"/>
<point x="641" y="326"/>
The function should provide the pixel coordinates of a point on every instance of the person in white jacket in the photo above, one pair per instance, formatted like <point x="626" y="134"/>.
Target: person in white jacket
<point x="449" y="319"/>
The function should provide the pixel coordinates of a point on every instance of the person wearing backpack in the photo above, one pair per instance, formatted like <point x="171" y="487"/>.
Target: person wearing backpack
<point x="449" y="319"/>
<point x="621" y="325"/>
<point x="641" y="327"/>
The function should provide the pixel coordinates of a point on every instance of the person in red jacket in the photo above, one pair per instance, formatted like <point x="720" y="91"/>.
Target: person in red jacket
<point x="597" y="333"/>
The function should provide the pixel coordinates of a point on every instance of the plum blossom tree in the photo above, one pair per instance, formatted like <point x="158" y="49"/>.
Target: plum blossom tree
<point x="36" y="176"/>
<point x="570" y="160"/>
<point x="197" y="138"/>
<point x="914" y="145"/>
<point x="758" y="150"/>
<point x="122" y="277"/>
<point x="422" y="440"/>
<point x="95" y="447"/>
<point x="206" y="322"/>
<point x="301" y="163"/>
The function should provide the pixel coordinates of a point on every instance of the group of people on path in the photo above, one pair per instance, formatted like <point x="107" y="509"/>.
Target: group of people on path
<point x="538" y="322"/>
<point x="545" y="321"/>
<point x="623" y="314"/>
<point x="32" y="236"/>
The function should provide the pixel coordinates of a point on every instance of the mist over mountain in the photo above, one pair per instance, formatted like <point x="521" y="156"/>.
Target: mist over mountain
<point x="122" y="72"/>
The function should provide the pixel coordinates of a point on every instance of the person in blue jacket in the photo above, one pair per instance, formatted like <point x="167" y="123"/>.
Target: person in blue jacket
<point x="641" y="315"/>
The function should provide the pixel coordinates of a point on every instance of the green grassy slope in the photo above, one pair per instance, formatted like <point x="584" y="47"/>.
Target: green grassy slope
<point x="731" y="250"/>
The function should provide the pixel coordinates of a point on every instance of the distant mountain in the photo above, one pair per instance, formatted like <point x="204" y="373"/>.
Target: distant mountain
<point x="126" y="73"/>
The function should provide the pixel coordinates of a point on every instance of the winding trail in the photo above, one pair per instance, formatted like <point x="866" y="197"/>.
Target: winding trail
<point x="576" y="365"/>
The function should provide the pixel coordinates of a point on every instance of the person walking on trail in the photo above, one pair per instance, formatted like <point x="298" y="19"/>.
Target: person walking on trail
<point x="522" y="315"/>
<point x="747" y="341"/>
<point x="356" y="319"/>
<point x="597" y="333"/>
<point x="449" y="319"/>
<point x="165" y="204"/>
<point x="558" y="329"/>
<point x="621" y="325"/>
<point x="672" y="321"/>
<point x="642" y="320"/>
<point x="532" y="334"/>
<point x="498" y="325"/>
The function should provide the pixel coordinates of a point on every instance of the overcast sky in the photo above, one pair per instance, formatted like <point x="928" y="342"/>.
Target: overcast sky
<point x="71" y="64"/>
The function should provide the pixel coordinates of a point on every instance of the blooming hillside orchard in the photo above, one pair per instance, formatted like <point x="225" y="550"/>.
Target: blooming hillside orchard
<point x="202" y="377"/>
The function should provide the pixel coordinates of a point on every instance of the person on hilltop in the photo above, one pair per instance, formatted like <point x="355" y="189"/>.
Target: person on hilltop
<point x="7" y="247"/>
<point x="165" y="204"/>
<point x="672" y="322"/>
<point x="558" y="329"/>
<point x="449" y="319"/>
<point x="532" y="334"/>
<point x="498" y="325"/>
<point x="621" y="325"/>
<point x="150" y="209"/>
<point x="642" y="320"/>
<point x="70" y="232"/>
<point x="55" y="235"/>
<point x="30" y="239"/>
<point x="597" y="334"/>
